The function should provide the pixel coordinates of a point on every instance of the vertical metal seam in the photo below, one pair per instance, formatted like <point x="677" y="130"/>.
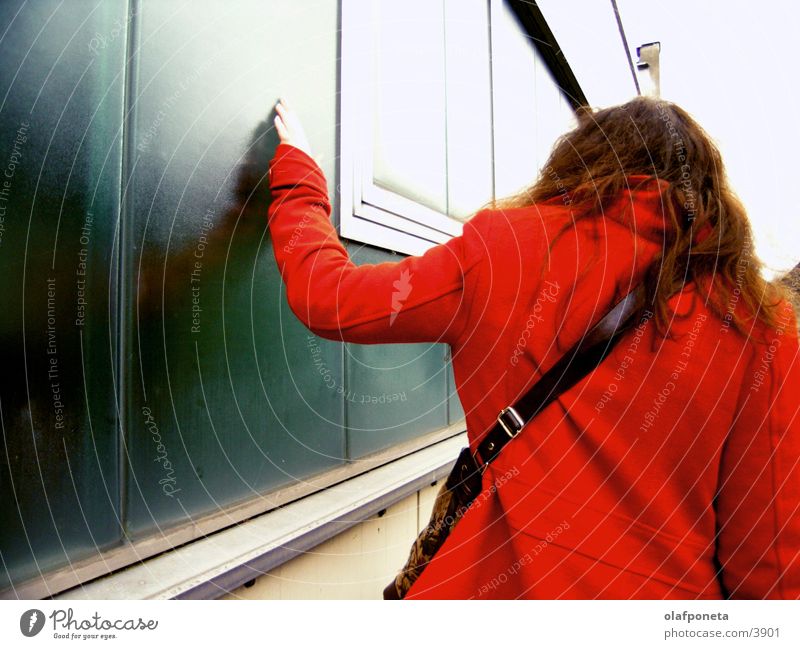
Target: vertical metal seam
<point x="491" y="95"/>
<point x="446" y="138"/>
<point x="446" y="196"/>
<point x="122" y="292"/>
<point x="338" y="210"/>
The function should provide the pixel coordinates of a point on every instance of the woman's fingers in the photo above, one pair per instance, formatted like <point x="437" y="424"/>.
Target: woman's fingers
<point x="283" y="132"/>
<point x="290" y="120"/>
<point x="290" y="129"/>
<point x="283" y="109"/>
<point x="283" y="122"/>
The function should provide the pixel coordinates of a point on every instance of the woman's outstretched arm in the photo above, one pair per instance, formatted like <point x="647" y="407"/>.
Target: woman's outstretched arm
<point x="420" y="298"/>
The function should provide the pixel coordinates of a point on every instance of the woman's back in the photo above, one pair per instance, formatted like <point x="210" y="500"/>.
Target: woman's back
<point x="632" y="457"/>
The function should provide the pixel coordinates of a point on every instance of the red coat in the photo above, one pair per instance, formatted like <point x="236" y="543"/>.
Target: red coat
<point x="673" y="471"/>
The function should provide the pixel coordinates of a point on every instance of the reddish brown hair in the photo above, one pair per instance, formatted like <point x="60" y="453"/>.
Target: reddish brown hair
<point x="592" y="165"/>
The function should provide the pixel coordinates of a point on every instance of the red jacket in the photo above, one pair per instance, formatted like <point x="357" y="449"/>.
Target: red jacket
<point x="672" y="471"/>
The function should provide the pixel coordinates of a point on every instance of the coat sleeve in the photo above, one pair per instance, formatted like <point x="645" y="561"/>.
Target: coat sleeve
<point x="758" y="498"/>
<point x="418" y="299"/>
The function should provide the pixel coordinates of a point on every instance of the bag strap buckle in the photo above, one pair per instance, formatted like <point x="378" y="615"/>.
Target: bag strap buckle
<point x="510" y="421"/>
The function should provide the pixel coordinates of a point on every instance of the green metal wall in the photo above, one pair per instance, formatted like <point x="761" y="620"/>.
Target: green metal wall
<point x="61" y="108"/>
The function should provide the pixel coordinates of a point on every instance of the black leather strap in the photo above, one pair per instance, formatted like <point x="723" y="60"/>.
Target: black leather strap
<point x="584" y="356"/>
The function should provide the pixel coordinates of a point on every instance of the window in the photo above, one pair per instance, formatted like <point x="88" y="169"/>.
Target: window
<point x="444" y="106"/>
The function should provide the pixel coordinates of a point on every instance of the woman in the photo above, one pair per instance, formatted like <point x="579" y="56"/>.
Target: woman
<point x="672" y="470"/>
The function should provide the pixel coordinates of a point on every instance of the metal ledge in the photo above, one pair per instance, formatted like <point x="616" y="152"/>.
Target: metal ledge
<point x="213" y="566"/>
<point x="120" y="557"/>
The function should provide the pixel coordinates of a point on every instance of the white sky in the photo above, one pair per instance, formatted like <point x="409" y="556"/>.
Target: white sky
<point x="733" y="65"/>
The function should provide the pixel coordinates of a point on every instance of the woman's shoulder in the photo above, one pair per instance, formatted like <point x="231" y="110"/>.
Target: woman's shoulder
<point x="729" y="327"/>
<point x="540" y="218"/>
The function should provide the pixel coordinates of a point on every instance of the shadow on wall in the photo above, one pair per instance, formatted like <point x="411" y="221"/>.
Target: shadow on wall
<point x="245" y="219"/>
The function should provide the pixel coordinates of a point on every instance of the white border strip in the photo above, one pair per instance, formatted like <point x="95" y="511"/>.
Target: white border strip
<point x="212" y="566"/>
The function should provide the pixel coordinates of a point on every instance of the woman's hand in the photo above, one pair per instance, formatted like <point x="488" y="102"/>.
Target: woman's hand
<point x="289" y="128"/>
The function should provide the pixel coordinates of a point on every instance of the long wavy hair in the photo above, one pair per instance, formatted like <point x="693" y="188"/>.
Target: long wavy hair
<point x="592" y="165"/>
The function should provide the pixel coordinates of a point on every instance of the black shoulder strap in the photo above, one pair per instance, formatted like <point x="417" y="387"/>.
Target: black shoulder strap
<point x="584" y="356"/>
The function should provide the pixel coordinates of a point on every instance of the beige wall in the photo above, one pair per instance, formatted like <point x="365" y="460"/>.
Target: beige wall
<point x="356" y="564"/>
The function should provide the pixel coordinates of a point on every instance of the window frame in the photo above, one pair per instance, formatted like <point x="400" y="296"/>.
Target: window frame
<point x="370" y="213"/>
